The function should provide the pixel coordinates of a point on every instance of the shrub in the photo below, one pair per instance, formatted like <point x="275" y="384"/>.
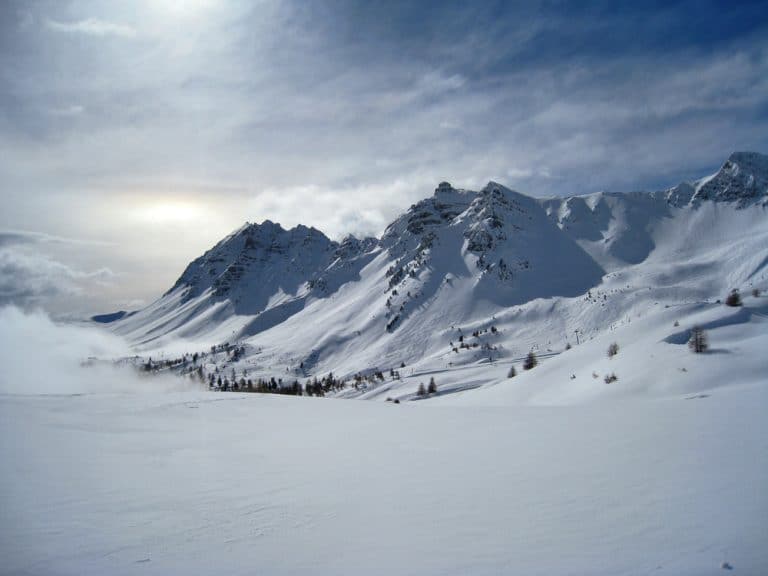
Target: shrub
<point x="610" y="378"/>
<point x="756" y="292"/>
<point x="613" y="349"/>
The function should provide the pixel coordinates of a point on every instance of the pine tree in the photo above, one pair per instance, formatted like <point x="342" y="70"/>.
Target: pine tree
<point x="613" y="349"/>
<point x="432" y="386"/>
<point x="530" y="361"/>
<point x="512" y="372"/>
<point x="421" y="391"/>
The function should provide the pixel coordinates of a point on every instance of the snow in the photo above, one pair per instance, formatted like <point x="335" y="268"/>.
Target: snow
<point x="553" y="471"/>
<point x="204" y="483"/>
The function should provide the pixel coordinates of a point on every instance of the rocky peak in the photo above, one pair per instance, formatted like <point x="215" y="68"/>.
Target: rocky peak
<point x="251" y="249"/>
<point x="742" y="179"/>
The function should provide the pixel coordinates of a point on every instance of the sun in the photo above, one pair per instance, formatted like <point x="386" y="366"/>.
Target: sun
<point x="186" y="6"/>
<point x="169" y="212"/>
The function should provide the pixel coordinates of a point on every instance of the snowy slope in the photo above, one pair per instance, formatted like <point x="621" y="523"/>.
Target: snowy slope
<point x="203" y="483"/>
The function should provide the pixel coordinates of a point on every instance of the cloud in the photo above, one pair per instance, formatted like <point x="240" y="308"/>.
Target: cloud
<point x="92" y="27"/>
<point x="331" y="206"/>
<point x="30" y="279"/>
<point x="340" y="115"/>
<point x="20" y="237"/>
<point x="68" y="111"/>
<point x="39" y="356"/>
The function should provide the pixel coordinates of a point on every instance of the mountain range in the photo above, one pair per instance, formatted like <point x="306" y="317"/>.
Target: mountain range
<point x="464" y="279"/>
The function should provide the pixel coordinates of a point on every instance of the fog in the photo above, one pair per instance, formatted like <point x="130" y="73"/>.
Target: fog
<point x="39" y="356"/>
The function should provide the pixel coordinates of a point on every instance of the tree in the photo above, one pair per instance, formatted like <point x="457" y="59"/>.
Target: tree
<point x="530" y="361"/>
<point x="734" y="298"/>
<point x="432" y="389"/>
<point x="698" y="340"/>
<point x="421" y="391"/>
<point x="613" y="349"/>
<point x="512" y="372"/>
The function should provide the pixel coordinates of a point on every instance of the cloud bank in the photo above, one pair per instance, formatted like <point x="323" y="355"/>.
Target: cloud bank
<point x="29" y="278"/>
<point x="39" y="356"/>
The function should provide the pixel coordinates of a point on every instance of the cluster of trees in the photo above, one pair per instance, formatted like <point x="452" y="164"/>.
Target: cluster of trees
<point x="156" y="365"/>
<point x="477" y="333"/>
<point x="431" y="389"/>
<point x="313" y="387"/>
<point x="233" y="352"/>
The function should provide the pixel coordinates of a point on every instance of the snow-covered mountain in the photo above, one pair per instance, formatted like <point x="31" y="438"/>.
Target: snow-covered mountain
<point x="464" y="279"/>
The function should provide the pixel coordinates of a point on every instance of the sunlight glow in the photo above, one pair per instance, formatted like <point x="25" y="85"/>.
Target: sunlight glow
<point x="188" y="7"/>
<point x="168" y="212"/>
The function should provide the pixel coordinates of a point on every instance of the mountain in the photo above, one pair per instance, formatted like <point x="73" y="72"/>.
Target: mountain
<point x="260" y="271"/>
<point x="495" y="247"/>
<point x="466" y="280"/>
<point x="619" y="228"/>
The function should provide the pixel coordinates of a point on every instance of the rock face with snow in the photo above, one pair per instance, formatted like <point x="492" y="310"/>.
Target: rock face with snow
<point x="497" y="240"/>
<point x="742" y="179"/>
<point x="255" y="263"/>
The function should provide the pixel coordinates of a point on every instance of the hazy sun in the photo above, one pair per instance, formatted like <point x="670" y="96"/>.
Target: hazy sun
<point x="168" y="212"/>
<point x="186" y="6"/>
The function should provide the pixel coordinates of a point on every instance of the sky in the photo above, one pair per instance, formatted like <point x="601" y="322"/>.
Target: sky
<point x="134" y="135"/>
